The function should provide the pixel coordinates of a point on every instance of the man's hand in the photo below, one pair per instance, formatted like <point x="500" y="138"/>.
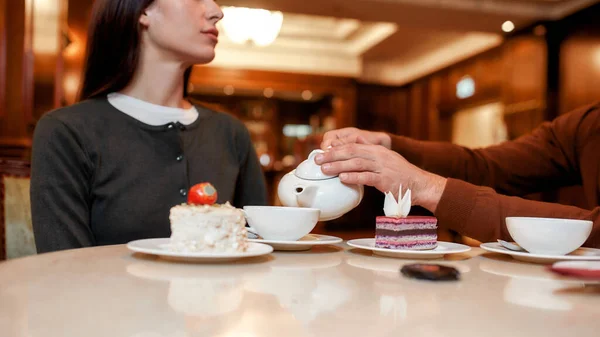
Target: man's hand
<point x="351" y="135"/>
<point x="384" y="169"/>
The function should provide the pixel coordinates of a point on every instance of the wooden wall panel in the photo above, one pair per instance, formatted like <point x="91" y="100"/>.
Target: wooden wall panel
<point x="74" y="54"/>
<point x="344" y="107"/>
<point x="14" y="136"/>
<point x="44" y="85"/>
<point x="514" y="74"/>
<point x="34" y="82"/>
<point x="399" y="111"/>
<point x="382" y="108"/>
<point x="206" y="76"/>
<point x="46" y="77"/>
<point x="343" y="89"/>
<point x="525" y="84"/>
<point x="487" y="73"/>
<point x="27" y="20"/>
<point x="433" y="112"/>
<point x="418" y="116"/>
<point x="2" y="57"/>
<point x="579" y="80"/>
<point x="525" y="68"/>
<point x="580" y="71"/>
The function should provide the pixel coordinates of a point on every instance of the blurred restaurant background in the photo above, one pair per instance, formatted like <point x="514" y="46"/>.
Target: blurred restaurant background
<point x="472" y="72"/>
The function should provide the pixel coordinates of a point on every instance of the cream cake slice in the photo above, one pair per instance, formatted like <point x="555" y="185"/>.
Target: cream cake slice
<point x="397" y="230"/>
<point x="414" y="232"/>
<point x="207" y="228"/>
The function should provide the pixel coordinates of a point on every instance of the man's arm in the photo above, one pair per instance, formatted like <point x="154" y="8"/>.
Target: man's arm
<point x="544" y="159"/>
<point x="480" y="212"/>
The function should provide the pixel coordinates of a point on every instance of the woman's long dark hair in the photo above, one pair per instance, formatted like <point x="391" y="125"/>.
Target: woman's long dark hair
<point x="113" y="47"/>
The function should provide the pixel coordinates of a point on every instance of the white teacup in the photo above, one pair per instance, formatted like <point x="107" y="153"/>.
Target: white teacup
<point x="281" y="223"/>
<point x="549" y="236"/>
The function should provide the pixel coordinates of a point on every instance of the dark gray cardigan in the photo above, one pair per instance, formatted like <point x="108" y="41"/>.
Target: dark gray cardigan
<point x="101" y="177"/>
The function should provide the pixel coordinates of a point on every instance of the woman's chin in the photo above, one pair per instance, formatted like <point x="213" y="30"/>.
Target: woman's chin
<point x="203" y="57"/>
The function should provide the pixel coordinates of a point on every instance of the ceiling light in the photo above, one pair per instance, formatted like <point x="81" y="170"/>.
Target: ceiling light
<point x="307" y="95"/>
<point x="268" y="92"/>
<point x="508" y="26"/>
<point x="265" y="159"/>
<point x="259" y="26"/>
<point x="229" y="90"/>
<point x="465" y="88"/>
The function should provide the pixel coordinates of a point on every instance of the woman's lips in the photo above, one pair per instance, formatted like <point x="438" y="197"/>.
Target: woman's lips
<point x="213" y="33"/>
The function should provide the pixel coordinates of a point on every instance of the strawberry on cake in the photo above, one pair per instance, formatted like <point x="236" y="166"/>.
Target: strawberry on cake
<point x="397" y="230"/>
<point x="203" y="226"/>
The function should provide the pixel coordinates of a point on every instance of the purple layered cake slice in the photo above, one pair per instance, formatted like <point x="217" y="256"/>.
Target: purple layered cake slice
<point x="415" y="232"/>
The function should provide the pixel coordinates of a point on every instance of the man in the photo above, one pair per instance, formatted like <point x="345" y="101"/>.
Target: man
<point x="473" y="191"/>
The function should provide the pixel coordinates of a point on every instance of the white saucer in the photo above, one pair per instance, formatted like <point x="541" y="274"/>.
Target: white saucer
<point x="442" y="249"/>
<point x="157" y="247"/>
<point x="582" y="254"/>
<point x="305" y="243"/>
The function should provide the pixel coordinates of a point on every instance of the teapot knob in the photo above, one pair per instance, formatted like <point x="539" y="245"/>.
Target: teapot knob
<point x="309" y="170"/>
<point x="313" y="154"/>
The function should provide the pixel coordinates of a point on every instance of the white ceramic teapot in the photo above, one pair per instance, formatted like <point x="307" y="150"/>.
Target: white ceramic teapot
<point x="308" y="186"/>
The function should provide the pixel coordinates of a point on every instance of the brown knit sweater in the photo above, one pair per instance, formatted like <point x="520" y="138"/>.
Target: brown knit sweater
<point x="485" y="184"/>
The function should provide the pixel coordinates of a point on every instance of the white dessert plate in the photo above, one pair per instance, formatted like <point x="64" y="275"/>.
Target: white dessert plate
<point x="305" y="243"/>
<point x="158" y="247"/>
<point x="442" y="249"/>
<point x="581" y="254"/>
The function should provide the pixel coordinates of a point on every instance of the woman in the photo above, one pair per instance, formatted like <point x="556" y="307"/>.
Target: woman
<point x="108" y="169"/>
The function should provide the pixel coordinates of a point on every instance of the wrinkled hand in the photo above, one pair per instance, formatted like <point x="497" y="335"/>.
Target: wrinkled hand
<point x="352" y="135"/>
<point x="384" y="169"/>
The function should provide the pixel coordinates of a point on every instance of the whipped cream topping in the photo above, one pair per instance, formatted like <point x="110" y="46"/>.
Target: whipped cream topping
<point x="400" y="208"/>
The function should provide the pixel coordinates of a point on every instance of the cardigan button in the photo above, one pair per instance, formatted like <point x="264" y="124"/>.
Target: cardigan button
<point x="180" y="157"/>
<point x="170" y="126"/>
<point x="183" y="192"/>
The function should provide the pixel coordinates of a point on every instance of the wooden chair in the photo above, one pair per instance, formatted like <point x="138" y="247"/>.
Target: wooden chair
<point x="16" y="232"/>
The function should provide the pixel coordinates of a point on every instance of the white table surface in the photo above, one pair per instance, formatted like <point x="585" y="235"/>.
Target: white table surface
<point x="328" y="291"/>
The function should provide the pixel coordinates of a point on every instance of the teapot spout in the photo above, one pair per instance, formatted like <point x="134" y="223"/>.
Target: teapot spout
<point x="285" y="190"/>
<point x="305" y="195"/>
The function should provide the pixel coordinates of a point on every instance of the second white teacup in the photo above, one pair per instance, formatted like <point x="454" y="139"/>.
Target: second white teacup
<point x="549" y="236"/>
<point x="282" y="223"/>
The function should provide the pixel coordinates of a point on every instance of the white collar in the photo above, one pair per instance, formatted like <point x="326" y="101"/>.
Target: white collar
<point x="151" y="114"/>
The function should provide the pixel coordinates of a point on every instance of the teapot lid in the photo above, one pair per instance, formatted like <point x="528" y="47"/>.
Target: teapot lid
<point x="309" y="170"/>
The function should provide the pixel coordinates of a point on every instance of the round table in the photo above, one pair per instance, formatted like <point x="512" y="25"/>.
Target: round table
<point x="327" y="291"/>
